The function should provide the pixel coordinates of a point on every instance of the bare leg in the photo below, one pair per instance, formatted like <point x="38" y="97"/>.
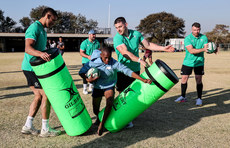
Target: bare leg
<point x="109" y="95"/>
<point x="45" y="106"/>
<point x="184" y="79"/>
<point x="150" y="60"/>
<point x="96" y="108"/>
<point x="34" y="107"/>
<point x="144" y="58"/>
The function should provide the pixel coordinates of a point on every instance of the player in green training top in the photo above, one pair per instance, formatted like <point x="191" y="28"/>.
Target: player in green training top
<point x="86" y="49"/>
<point x="195" y="45"/>
<point x="126" y="43"/>
<point x="35" y="43"/>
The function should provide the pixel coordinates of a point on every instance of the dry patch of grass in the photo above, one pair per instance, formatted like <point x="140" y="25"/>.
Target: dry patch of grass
<point x="164" y="124"/>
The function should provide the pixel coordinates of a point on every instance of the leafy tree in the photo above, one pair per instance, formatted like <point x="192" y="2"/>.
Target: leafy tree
<point x="6" y="23"/>
<point x="219" y="34"/>
<point x="19" y="29"/>
<point x="1" y="16"/>
<point x="83" y="25"/>
<point x="91" y="24"/>
<point x="36" y="13"/>
<point x="160" y="26"/>
<point x="25" y="22"/>
<point x="67" y="21"/>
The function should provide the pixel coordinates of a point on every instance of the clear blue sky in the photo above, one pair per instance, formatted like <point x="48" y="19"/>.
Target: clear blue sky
<point x="207" y="12"/>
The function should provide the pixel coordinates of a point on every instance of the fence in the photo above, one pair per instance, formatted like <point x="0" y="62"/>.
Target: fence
<point x="224" y="47"/>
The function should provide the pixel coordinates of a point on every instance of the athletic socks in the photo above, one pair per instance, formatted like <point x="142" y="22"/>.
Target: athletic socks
<point x="199" y="88"/>
<point x="29" y="121"/>
<point x="45" y="124"/>
<point x="84" y="86"/>
<point x="183" y="89"/>
<point x="90" y="85"/>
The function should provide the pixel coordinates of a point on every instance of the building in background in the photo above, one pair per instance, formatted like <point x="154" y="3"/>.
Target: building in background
<point x="177" y="43"/>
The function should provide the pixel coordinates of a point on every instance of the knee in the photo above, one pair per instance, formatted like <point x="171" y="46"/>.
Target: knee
<point x="198" y="80"/>
<point x="38" y="97"/>
<point x="184" y="78"/>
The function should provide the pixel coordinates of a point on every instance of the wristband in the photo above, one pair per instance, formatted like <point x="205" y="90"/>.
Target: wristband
<point x="139" y="60"/>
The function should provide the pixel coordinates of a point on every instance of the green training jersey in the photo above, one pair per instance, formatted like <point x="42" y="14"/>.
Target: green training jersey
<point x="89" y="47"/>
<point x="132" y="44"/>
<point x="37" y="33"/>
<point x="194" y="60"/>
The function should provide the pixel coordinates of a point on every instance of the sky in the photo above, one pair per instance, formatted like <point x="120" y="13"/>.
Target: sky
<point x="207" y="12"/>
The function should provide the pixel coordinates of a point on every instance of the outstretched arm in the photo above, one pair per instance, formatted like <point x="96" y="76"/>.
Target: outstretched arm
<point x="155" y="47"/>
<point x="128" y="55"/>
<point x="136" y="76"/>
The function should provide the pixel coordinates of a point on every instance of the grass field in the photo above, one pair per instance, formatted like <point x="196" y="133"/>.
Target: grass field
<point x="165" y="124"/>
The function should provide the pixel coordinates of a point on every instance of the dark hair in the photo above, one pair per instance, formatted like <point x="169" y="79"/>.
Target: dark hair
<point x="197" y="25"/>
<point x="46" y="10"/>
<point x="106" y="49"/>
<point x="120" y="19"/>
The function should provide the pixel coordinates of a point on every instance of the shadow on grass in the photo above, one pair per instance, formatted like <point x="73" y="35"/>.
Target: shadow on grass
<point x="10" y="72"/>
<point x="14" y="87"/>
<point x="15" y="95"/>
<point x="165" y="118"/>
<point x="74" y="67"/>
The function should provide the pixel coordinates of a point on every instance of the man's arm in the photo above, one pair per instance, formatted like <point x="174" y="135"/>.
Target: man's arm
<point x="31" y="51"/>
<point x="155" y="47"/>
<point x="128" y="55"/>
<point x="196" y="51"/>
<point x="62" y="47"/>
<point x="122" y="68"/>
<point x="136" y="76"/>
<point x="82" y="53"/>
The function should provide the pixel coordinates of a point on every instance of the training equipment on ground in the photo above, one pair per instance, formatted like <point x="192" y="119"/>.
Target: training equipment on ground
<point x="139" y="96"/>
<point x="211" y="47"/>
<point x="62" y="93"/>
<point x="94" y="72"/>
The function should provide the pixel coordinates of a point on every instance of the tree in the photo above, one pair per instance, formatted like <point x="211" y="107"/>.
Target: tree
<point x="160" y="26"/>
<point x="83" y="25"/>
<point x="25" y="22"/>
<point x="6" y="23"/>
<point x="36" y="13"/>
<point x="1" y="16"/>
<point x="67" y="22"/>
<point x="219" y="34"/>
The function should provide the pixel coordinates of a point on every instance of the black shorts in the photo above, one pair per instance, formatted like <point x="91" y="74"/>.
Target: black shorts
<point x="124" y="81"/>
<point x="186" y="70"/>
<point x="84" y="79"/>
<point x="100" y="92"/>
<point x="32" y="80"/>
